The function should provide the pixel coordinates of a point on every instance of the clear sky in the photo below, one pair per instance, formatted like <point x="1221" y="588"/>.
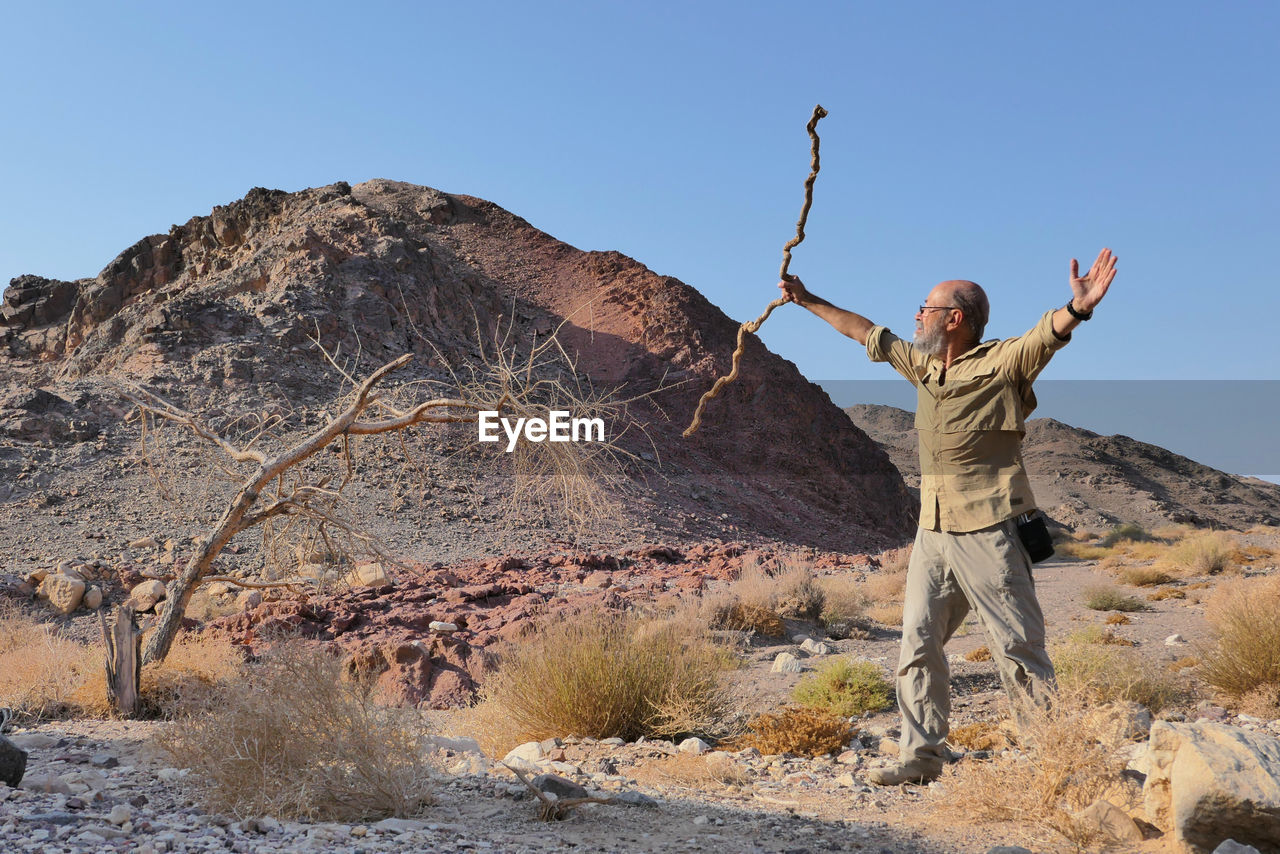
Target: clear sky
<point x="991" y="141"/>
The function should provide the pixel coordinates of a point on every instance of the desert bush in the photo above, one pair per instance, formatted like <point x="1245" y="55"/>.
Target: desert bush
<point x="846" y="687"/>
<point x="1247" y="555"/>
<point x="195" y="666"/>
<point x="1118" y="620"/>
<point x="1203" y="554"/>
<point x="1089" y="667"/>
<point x="1074" y="758"/>
<point x="1144" y="576"/>
<point x="726" y="612"/>
<point x="842" y="606"/>
<point x="42" y="672"/>
<point x="602" y="675"/>
<point x="887" y="614"/>
<point x="799" y="594"/>
<point x="799" y="731"/>
<point x="982" y="653"/>
<point x="1166" y="593"/>
<point x="980" y="735"/>
<point x="1126" y="532"/>
<point x="1244" y="651"/>
<point x="1110" y="599"/>
<point x="696" y="772"/>
<point x="294" y="737"/>
<point x="1082" y="551"/>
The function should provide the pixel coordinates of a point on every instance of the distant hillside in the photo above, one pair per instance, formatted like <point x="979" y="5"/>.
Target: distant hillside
<point x="1084" y="479"/>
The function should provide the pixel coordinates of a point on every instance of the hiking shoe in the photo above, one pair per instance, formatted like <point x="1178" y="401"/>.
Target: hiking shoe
<point x="904" y="772"/>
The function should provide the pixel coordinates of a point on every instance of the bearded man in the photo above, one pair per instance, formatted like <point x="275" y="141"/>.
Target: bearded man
<point x="973" y="397"/>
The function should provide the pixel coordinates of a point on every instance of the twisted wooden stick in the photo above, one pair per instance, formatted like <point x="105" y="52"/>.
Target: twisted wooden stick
<point x="754" y="325"/>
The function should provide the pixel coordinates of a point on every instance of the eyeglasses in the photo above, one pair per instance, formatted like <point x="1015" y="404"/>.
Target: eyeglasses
<point x="925" y="308"/>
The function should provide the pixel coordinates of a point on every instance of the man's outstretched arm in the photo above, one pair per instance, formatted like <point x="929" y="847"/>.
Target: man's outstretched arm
<point x="1086" y="291"/>
<point x="847" y="323"/>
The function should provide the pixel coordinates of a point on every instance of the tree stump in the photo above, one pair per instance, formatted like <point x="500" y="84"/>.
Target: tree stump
<point x="124" y="661"/>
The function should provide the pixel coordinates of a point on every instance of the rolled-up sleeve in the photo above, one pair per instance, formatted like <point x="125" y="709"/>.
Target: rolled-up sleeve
<point x="884" y="346"/>
<point x="1028" y="354"/>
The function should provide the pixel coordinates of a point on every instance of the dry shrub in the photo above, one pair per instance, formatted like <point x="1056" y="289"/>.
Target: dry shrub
<point x="982" y="653"/>
<point x="798" y="731"/>
<point x="1203" y="554"/>
<point x="888" y="615"/>
<point x="1262" y="702"/>
<point x="1128" y="532"/>
<point x="1146" y="550"/>
<point x="1074" y="759"/>
<point x="887" y="585"/>
<point x="1113" y="563"/>
<point x="604" y="674"/>
<point x="1102" y="672"/>
<point x="296" y="738"/>
<point x="1082" y="551"/>
<point x="1083" y="535"/>
<point x="724" y="612"/>
<point x="42" y="673"/>
<point x="1171" y="533"/>
<point x="1166" y="593"/>
<point x="1248" y="555"/>
<point x="195" y="665"/>
<point x="798" y="593"/>
<point x="694" y="772"/>
<point x="1184" y="663"/>
<point x="1110" y="599"/>
<point x="1118" y="620"/>
<point x="842" y="606"/>
<point x="1244" y="651"/>
<point x="980" y="735"/>
<point x="1144" y="576"/>
<point x="845" y="687"/>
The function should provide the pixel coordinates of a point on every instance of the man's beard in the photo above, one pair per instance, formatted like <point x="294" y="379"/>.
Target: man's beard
<point x="931" y="342"/>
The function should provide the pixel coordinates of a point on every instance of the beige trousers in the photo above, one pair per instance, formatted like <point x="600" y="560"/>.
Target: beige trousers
<point x="989" y="571"/>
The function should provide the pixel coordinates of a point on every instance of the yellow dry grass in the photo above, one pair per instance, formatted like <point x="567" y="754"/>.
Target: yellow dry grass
<point x="889" y="614"/>
<point x="1244" y="653"/>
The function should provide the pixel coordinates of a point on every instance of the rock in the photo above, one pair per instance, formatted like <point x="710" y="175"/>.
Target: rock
<point x="120" y="813"/>
<point x="369" y="575"/>
<point x="814" y="647"/>
<point x="104" y="760"/>
<point x="696" y="746"/>
<point x="1209" y="782"/>
<point x="398" y="825"/>
<point x="13" y="762"/>
<point x="847" y="780"/>
<point x="145" y="543"/>
<point x="1009" y="849"/>
<point x="1174" y="640"/>
<point x="1137" y="721"/>
<point x="442" y="627"/>
<point x="48" y="783"/>
<point x="561" y="787"/>
<point x="1230" y="846"/>
<point x="457" y="745"/>
<point x="701" y="820"/>
<point x="92" y="598"/>
<point x="34" y="741"/>
<point x="63" y="592"/>
<point x="848" y="757"/>
<point x="144" y="596"/>
<point x="249" y="599"/>
<point x="888" y="747"/>
<point x="632" y="798"/>
<point x="1105" y="821"/>
<point x="525" y="757"/>
<point x="786" y="663"/>
<point x="599" y="579"/>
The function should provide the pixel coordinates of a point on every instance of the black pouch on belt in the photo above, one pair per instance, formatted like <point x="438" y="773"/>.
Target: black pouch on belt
<point x="1035" y="536"/>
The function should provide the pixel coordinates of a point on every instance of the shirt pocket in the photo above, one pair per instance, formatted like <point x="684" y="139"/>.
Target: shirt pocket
<point x="984" y="400"/>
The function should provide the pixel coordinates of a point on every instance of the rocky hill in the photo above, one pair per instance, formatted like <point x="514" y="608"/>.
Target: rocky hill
<point x="1083" y="479"/>
<point x="228" y="311"/>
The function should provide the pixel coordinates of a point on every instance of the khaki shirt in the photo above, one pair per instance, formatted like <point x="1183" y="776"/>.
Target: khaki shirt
<point x="971" y="423"/>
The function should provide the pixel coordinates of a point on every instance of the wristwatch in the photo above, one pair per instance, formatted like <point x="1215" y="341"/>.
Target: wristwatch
<point x="1078" y="315"/>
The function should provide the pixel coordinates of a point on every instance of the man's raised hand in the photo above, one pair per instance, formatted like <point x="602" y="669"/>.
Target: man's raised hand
<point x="1088" y="290"/>
<point x="793" y="290"/>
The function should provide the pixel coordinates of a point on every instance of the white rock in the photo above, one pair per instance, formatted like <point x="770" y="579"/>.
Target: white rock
<point x="1174" y="640"/>
<point x="814" y="647"/>
<point x="457" y="745"/>
<point x="1230" y="846"/>
<point x="369" y="575"/>
<point x="399" y="825"/>
<point x="1210" y="782"/>
<point x="526" y="756"/>
<point x="63" y="592"/>
<point x="120" y="813"/>
<point x="249" y="599"/>
<point x="144" y="543"/>
<point x="170" y="775"/>
<point x="786" y="663"/>
<point x="144" y="596"/>
<point x="92" y="598"/>
<point x="696" y="746"/>
<point x="439" y="626"/>
<point x="701" y="820"/>
<point x="1105" y="821"/>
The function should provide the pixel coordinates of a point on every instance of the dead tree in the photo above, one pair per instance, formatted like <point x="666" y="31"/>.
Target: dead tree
<point x="124" y="661"/>
<point x="252" y="506"/>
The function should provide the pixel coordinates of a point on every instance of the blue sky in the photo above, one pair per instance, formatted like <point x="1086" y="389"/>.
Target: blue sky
<point x="990" y="141"/>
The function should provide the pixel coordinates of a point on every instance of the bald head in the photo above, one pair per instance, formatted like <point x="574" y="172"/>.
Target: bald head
<point x="971" y="299"/>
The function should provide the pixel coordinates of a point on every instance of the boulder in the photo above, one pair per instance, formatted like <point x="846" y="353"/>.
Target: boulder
<point x="1106" y="822"/>
<point x="63" y="592"/>
<point x="13" y="762"/>
<point x="561" y="787"/>
<point x="786" y="663"/>
<point x="1209" y="782"/>
<point x="525" y="757"/>
<point x="696" y="746"/>
<point x="369" y="575"/>
<point x="92" y="598"/>
<point x="145" y="596"/>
